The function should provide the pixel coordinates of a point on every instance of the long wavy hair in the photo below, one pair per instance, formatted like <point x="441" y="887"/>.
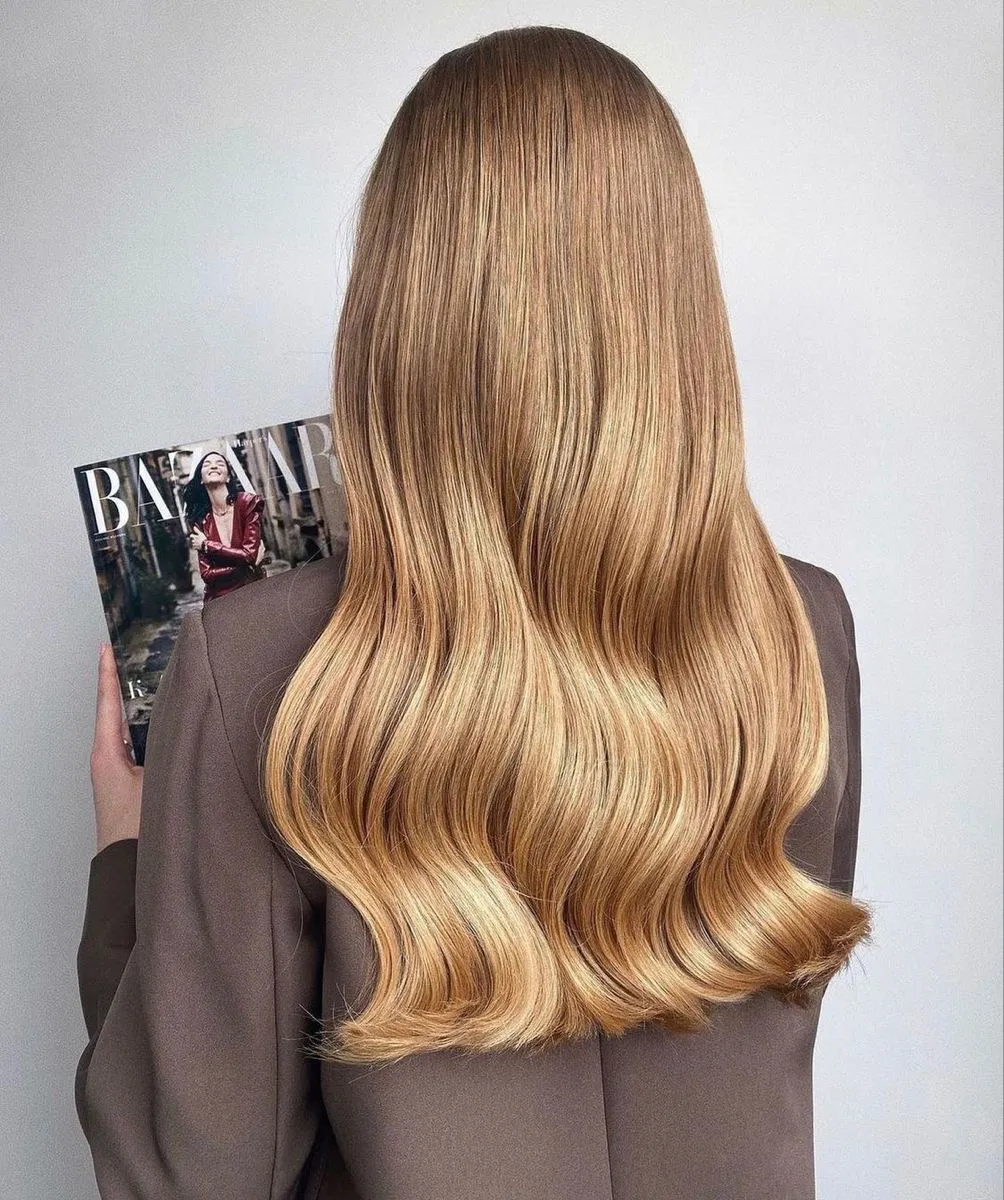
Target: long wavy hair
<point x="550" y="741"/>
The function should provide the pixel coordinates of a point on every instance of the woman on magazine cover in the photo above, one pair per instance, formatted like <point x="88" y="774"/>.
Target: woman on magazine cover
<point x="225" y="523"/>
<point x="508" y="854"/>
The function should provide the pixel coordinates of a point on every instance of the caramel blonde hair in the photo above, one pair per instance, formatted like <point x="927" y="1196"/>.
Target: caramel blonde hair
<point x="569" y="701"/>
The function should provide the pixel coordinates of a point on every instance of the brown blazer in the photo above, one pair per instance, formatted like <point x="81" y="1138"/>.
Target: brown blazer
<point x="196" y="993"/>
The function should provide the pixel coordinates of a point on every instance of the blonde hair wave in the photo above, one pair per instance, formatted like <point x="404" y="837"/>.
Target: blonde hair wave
<point x="569" y="702"/>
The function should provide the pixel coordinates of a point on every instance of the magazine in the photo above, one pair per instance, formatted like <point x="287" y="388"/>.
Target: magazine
<point x="173" y="529"/>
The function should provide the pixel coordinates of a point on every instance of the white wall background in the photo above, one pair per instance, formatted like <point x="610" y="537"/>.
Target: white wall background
<point x="177" y="186"/>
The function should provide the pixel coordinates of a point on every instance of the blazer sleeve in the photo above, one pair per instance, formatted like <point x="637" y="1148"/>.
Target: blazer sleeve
<point x="845" y="835"/>
<point x="215" y="572"/>
<point x="194" y="986"/>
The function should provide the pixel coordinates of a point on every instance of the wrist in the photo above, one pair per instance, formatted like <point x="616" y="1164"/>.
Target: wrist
<point x="124" y="831"/>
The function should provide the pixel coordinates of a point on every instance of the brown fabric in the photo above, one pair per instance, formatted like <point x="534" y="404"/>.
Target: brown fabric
<point x="193" y="1087"/>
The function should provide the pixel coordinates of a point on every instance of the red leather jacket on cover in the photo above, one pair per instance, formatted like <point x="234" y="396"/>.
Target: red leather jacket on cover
<point x="226" y="567"/>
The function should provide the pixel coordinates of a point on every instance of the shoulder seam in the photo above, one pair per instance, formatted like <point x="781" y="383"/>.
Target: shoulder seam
<point x="277" y="846"/>
<point x="208" y="661"/>
<point x="207" y="665"/>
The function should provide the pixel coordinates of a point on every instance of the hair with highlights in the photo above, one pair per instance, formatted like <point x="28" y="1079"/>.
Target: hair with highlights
<point x="551" y="738"/>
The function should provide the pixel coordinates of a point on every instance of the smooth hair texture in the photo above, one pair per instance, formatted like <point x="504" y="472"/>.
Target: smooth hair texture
<point x="569" y="702"/>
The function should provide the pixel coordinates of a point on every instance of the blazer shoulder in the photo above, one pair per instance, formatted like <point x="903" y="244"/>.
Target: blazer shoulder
<point x="276" y="618"/>
<point x="255" y="639"/>
<point x="823" y="592"/>
<point x="249" y="500"/>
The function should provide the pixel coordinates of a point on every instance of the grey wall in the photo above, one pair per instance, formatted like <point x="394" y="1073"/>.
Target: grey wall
<point x="177" y="185"/>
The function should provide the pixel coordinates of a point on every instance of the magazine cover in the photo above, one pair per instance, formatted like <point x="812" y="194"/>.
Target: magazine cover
<point x="173" y="529"/>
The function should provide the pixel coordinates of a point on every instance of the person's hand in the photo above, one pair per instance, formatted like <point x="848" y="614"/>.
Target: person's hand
<point x="197" y="538"/>
<point x="115" y="778"/>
